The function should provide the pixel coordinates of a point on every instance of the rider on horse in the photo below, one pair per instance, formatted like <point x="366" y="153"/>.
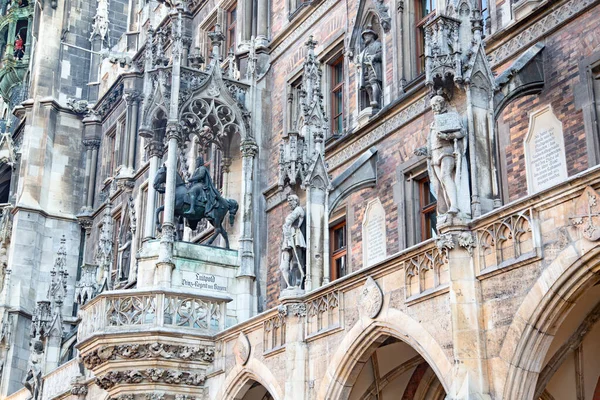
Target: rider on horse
<point x="203" y="190"/>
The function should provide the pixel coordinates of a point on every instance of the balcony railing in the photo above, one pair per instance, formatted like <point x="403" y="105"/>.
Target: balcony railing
<point x="141" y="310"/>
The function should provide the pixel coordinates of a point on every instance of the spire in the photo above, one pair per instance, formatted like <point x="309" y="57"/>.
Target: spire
<point x="216" y="38"/>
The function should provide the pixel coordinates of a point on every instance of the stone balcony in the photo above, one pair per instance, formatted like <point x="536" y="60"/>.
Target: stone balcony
<point x="151" y="341"/>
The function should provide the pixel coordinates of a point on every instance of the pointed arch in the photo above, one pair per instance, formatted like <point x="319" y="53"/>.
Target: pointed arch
<point x="365" y="337"/>
<point x="240" y="378"/>
<point x="540" y="315"/>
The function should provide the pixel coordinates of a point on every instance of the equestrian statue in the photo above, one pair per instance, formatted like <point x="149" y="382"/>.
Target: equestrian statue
<point x="200" y="201"/>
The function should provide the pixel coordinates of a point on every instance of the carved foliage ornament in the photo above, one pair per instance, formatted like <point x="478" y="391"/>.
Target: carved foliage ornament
<point x="149" y="350"/>
<point x="371" y="298"/>
<point x="154" y="375"/>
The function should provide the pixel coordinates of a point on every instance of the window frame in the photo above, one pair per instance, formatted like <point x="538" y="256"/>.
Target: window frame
<point x="341" y="252"/>
<point x="334" y="88"/>
<point x="425" y="209"/>
<point x="231" y="28"/>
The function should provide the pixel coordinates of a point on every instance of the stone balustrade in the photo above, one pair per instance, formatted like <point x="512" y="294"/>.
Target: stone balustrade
<point x="123" y="311"/>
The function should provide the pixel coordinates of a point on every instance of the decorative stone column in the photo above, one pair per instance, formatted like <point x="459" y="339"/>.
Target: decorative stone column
<point x="155" y="151"/>
<point x="92" y="146"/>
<point x="132" y="99"/>
<point x="165" y="263"/>
<point x="246" y="274"/>
<point x="470" y="371"/>
<point x="262" y="21"/>
<point x="249" y="150"/>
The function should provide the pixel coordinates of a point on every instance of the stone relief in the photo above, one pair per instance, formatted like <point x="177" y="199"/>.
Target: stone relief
<point x="587" y="214"/>
<point x="371" y="72"/>
<point x="154" y="375"/>
<point x="371" y="298"/>
<point x="293" y="247"/>
<point x="447" y="163"/>
<point x="241" y="349"/>
<point x="147" y="351"/>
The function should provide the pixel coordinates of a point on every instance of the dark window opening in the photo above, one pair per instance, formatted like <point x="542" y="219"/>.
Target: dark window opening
<point x="5" y="176"/>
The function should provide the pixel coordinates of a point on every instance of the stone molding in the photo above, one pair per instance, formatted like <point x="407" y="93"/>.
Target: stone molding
<point x="369" y="139"/>
<point x="538" y="29"/>
<point x="148" y="351"/>
<point x="151" y="375"/>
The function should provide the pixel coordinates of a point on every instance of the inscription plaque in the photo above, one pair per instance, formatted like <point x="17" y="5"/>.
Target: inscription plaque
<point x="199" y="280"/>
<point x="545" y="159"/>
<point x="374" y="233"/>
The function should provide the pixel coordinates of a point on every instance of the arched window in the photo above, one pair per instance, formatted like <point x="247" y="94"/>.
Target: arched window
<point x="424" y="11"/>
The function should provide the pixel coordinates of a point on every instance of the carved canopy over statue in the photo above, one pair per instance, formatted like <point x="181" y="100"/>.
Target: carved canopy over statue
<point x="447" y="164"/>
<point x="371" y="71"/>
<point x="201" y="200"/>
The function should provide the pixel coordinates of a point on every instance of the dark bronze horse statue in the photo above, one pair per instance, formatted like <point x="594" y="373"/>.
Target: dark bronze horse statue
<point x="182" y="204"/>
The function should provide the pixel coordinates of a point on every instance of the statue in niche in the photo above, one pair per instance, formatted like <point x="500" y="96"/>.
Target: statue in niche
<point x="201" y="201"/>
<point x="33" y="376"/>
<point x="371" y="71"/>
<point x="125" y="256"/>
<point x="19" y="47"/>
<point x="293" y="248"/>
<point x="447" y="162"/>
<point x="203" y="190"/>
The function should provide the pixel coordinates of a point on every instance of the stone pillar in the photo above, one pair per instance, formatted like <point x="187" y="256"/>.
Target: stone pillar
<point x="296" y="351"/>
<point x="246" y="12"/>
<point x="133" y="100"/>
<point x="470" y="371"/>
<point x="262" y="22"/>
<point x="226" y="165"/>
<point x="249" y="150"/>
<point x="155" y="150"/>
<point x="92" y="146"/>
<point x="165" y="263"/>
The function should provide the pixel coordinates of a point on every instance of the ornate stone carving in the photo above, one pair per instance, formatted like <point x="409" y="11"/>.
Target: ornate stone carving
<point x="91" y="144"/>
<point x="148" y="351"/>
<point x="467" y="241"/>
<point x="87" y="286"/>
<point x="79" y="389"/>
<point x="104" y="251"/>
<point x="587" y="214"/>
<point x="78" y="106"/>
<point x="539" y="29"/>
<point x="293" y="247"/>
<point x="371" y="298"/>
<point x="153" y="375"/>
<point x="241" y="349"/>
<point x="384" y="16"/>
<point x="371" y="71"/>
<point x="110" y="101"/>
<point x="297" y="309"/>
<point x="100" y="24"/>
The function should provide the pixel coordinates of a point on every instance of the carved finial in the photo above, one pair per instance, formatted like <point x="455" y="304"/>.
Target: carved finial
<point x="311" y="43"/>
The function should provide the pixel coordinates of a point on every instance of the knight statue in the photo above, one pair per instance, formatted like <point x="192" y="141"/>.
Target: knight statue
<point x="447" y="164"/>
<point x="293" y="248"/>
<point x="370" y="66"/>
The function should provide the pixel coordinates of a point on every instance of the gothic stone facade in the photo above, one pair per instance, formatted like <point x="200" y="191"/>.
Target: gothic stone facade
<point x="314" y="119"/>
